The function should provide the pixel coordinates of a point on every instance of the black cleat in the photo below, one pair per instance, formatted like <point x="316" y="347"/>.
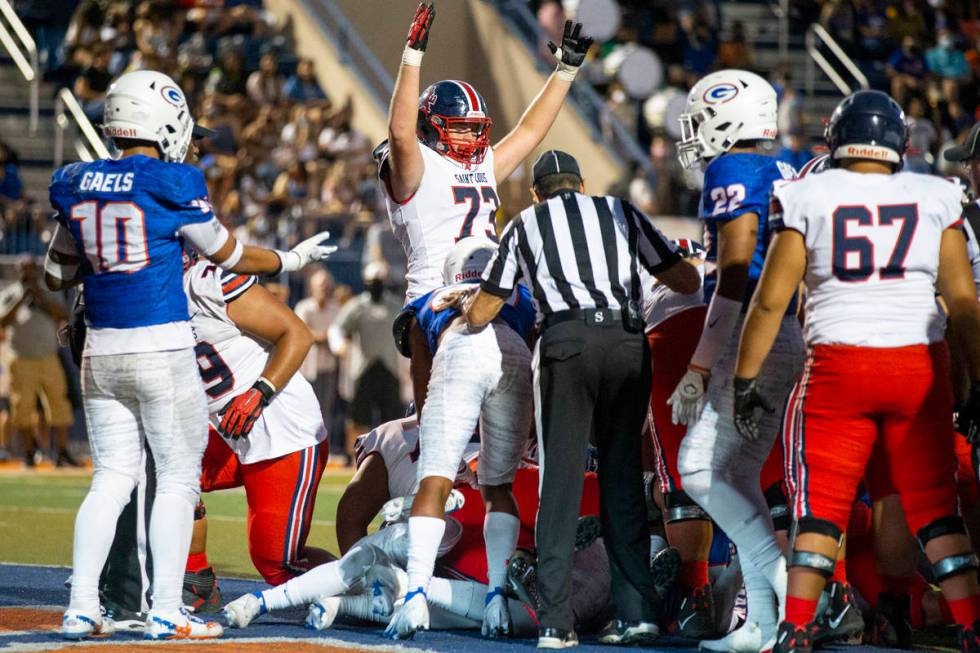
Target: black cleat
<point x="664" y="567"/>
<point x="629" y="633"/>
<point x="841" y="620"/>
<point x="125" y="620"/>
<point x="696" y="614"/>
<point x="201" y="593"/>
<point x="891" y="625"/>
<point x="791" y="638"/>
<point x="587" y="531"/>
<point x="969" y="638"/>
<point x="522" y="579"/>
<point x="556" y="638"/>
<point x="65" y="459"/>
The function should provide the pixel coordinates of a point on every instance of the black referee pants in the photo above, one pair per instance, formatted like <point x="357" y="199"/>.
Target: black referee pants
<point x="592" y="382"/>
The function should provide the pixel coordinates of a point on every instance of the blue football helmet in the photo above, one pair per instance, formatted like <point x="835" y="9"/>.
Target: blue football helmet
<point x="454" y="121"/>
<point x="868" y="125"/>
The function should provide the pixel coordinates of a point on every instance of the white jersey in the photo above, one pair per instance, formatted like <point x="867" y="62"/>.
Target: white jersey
<point x="397" y="442"/>
<point x="971" y="225"/>
<point x="453" y="201"/>
<point x="872" y="245"/>
<point x="661" y="303"/>
<point x="230" y="361"/>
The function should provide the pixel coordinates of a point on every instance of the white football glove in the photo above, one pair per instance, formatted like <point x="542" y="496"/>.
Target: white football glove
<point x="687" y="400"/>
<point x="306" y="252"/>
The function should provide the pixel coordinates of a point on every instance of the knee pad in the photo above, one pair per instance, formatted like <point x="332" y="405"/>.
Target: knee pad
<point x="778" y="502"/>
<point x="817" y="562"/>
<point x="680" y="507"/>
<point x="117" y="486"/>
<point x="356" y="563"/>
<point x="953" y="565"/>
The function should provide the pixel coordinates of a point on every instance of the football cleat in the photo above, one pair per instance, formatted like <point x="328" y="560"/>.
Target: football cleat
<point x="323" y="612"/>
<point x="522" y="580"/>
<point x="76" y="624"/>
<point x="245" y="609"/>
<point x="794" y="639"/>
<point x="496" y="616"/>
<point x="747" y="638"/>
<point x="410" y="617"/>
<point x="841" y="620"/>
<point x="180" y="624"/>
<point x="969" y="638"/>
<point x="696" y="614"/>
<point x="587" y="531"/>
<point x="201" y="592"/>
<point x="664" y="567"/>
<point x="629" y="633"/>
<point x="125" y="620"/>
<point x="400" y="508"/>
<point x="890" y="625"/>
<point x="556" y="638"/>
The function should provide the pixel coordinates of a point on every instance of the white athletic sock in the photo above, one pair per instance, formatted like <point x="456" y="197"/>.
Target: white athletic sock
<point x="170" y="539"/>
<point x="95" y="526"/>
<point x="500" y="532"/>
<point x="460" y="597"/>
<point x="322" y="580"/>
<point x="761" y="599"/>
<point x="424" y="536"/>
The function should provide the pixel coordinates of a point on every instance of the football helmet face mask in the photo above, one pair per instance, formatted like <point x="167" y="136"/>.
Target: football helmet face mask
<point x="723" y="108"/>
<point x="868" y="125"/>
<point x="467" y="260"/>
<point x="453" y="120"/>
<point x="149" y="106"/>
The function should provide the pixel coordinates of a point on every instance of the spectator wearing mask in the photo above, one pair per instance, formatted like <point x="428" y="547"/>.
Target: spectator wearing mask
<point x="36" y="372"/>
<point x="319" y="311"/>
<point x="265" y="85"/>
<point x="362" y="333"/>
<point x="906" y="69"/>
<point x="948" y="65"/>
<point x="302" y="85"/>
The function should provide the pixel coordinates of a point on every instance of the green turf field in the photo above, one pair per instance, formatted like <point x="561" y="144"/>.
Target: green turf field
<point x="37" y="516"/>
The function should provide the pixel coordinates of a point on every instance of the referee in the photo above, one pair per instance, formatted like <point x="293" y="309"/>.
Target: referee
<point x="580" y="255"/>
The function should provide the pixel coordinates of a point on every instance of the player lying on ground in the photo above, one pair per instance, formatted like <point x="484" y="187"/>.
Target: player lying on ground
<point x="120" y="223"/>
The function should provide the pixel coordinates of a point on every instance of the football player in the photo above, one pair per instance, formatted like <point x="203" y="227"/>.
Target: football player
<point x="728" y="114"/>
<point x="439" y="170"/>
<point x="479" y="377"/>
<point x="267" y="433"/>
<point x="119" y="225"/>
<point x="871" y="244"/>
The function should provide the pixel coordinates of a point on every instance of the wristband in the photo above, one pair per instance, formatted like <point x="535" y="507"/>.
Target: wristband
<point x="412" y="57"/>
<point x="286" y="265"/>
<point x="266" y="388"/>
<point x="564" y="71"/>
<point x="236" y="256"/>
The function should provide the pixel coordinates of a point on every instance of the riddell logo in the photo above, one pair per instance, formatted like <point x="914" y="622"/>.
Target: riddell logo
<point x="120" y="132"/>
<point x="468" y="274"/>
<point x="866" y="152"/>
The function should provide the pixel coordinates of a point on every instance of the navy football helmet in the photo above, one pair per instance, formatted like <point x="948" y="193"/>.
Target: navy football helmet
<point x="454" y="121"/>
<point x="868" y="125"/>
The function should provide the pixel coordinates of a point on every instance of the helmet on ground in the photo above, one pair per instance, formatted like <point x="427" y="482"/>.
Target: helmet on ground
<point x="454" y="121"/>
<point x="868" y="125"/>
<point x="467" y="260"/>
<point x="149" y="106"/>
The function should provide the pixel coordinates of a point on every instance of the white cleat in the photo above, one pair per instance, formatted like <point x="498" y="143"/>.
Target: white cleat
<point x="400" y="508"/>
<point x="410" y="617"/>
<point x="76" y="625"/>
<point x="496" y="617"/>
<point x="323" y="612"/>
<point x="749" y="638"/>
<point x="245" y="609"/>
<point x="385" y="584"/>
<point x="180" y="625"/>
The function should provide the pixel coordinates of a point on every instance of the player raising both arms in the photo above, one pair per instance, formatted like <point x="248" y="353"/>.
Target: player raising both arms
<point x="440" y="172"/>
<point x="120" y="221"/>
<point x="871" y="244"/>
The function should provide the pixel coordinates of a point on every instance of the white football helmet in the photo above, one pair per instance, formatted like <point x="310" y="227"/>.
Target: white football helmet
<point x="149" y="106"/>
<point x="723" y="108"/>
<point x="467" y="260"/>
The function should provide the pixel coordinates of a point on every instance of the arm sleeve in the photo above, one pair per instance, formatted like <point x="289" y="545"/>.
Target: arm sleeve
<point x="504" y="269"/>
<point x="656" y="252"/>
<point x="206" y="237"/>
<point x="62" y="260"/>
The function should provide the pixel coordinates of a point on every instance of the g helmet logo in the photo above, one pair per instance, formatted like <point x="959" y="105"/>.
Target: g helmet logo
<point x="720" y="93"/>
<point x="172" y="95"/>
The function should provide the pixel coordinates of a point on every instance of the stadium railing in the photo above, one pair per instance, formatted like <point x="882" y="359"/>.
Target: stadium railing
<point x="68" y="111"/>
<point x="22" y="49"/>
<point x="819" y="43"/>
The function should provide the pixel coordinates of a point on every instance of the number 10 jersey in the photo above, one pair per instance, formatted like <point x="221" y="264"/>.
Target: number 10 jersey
<point x="872" y="245"/>
<point x="453" y="201"/>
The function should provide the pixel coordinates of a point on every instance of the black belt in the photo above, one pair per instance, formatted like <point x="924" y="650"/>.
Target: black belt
<point x="590" y="316"/>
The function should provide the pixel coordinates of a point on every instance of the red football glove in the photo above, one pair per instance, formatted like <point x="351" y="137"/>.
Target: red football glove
<point x="418" y="33"/>
<point x="239" y="414"/>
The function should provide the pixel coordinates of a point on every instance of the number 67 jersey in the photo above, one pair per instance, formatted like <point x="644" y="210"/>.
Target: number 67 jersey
<point x="872" y="245"/>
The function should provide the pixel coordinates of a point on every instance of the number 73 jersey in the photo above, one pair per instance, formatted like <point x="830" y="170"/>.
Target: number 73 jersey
<point x="872" y="245"/>
<point x="453" y="201"/>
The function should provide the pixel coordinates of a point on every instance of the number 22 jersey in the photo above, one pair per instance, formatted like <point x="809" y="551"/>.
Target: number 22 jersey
<point x="453" y="201"/>
<point x="872" y="245"/>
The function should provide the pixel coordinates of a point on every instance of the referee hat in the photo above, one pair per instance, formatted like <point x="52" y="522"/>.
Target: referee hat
<point x="554" y="162"/>
<point x="969" y="149"/>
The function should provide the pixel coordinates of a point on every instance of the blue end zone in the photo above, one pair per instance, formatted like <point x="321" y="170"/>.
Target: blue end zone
<point x="33" y="586"/>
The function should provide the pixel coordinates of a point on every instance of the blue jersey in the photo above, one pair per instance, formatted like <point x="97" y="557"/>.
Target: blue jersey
<point x="735" y="184"/>
<point x="518" y="312"/>
<point x="125" y="216"/>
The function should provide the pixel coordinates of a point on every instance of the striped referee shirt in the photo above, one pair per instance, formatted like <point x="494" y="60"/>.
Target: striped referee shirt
<point x="577" y="251"/>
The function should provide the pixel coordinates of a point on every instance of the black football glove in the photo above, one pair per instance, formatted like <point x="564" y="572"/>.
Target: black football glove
<point x="747" y="399"/>
<point x="968" y="418"/>
<point x="574" y="47"/>
<point x="418" y="33"/>
<point x="239" y="414"/>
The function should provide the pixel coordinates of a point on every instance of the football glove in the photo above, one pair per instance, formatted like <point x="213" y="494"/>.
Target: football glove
<point x="418" y="34"/>
<point x="687" y="400"/>
<point x="306" y="252"/>
<point x="571" y="53"/>
<point x="968" y="418"/>
<point x="239" y="415"/>
<point x="747" y="399"/>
